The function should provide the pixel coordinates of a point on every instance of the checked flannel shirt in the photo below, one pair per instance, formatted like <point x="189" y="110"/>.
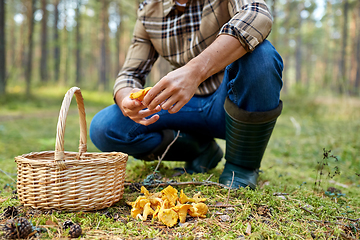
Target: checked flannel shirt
<point x="179" y="34"/>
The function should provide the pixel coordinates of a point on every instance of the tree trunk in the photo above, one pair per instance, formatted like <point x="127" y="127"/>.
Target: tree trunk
<point x="56" y="42"/>
<point x="353" y="37"/>
<point x="103" y="58"/>
<point x="43" y="60"/>
<point x="117" y="38"/>
<point x="65" y="48"/>
<point x="274" y="26"/>
<point x="357" y="79"/>
<point x="28" y="73"/>
<point x="2" y="48"/>
<point x="286" y="55"/>
<point x="342" y="66"/>
<point x="78" y="45"/>
<point x="298" y="54"/>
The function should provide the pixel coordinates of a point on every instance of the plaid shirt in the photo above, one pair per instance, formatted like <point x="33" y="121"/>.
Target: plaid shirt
<point x="161" y="29"/>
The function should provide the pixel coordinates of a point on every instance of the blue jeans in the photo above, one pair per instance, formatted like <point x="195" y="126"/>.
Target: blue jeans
<point x="253" y="82"/>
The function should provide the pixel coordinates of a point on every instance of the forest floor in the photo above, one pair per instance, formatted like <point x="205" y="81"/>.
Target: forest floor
<point x="308" y="188"/>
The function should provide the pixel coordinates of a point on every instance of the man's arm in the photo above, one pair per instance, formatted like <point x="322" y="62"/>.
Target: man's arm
<point x="174" y="90"/>
<point x="139" y="61"/>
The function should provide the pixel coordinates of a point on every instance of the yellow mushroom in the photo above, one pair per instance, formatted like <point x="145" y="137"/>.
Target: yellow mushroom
<point x="170" y="194"/>
<point x="140" y="94"/>
<point x="197" y="198"/>
<point x="145" y="191"/>
<point x="168" y="216"/>
<point x="136" y="212"/>
<point x="155" y="215"/>
<point x="164" y="204"/>
<point x="155" y="202"/>
<point x="143" y="202"/>
<point x="184" y="199"/>
<point x="182" y="211"/>
<point x="138" y="206"/>
<point x="198" y="210"/>
<point x="146" y="212"/>
<point x="136" y="202"/>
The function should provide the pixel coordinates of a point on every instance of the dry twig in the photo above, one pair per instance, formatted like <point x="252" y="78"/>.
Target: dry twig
<point x="307" y="210"/>
<point x="232" y="180"/>
<point x="166" y="150"/>
<point x="204" y="183"/>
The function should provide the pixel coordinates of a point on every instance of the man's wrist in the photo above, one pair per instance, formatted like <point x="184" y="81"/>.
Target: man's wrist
<point x="201" y="67"/>
<point x="121" y="94"/>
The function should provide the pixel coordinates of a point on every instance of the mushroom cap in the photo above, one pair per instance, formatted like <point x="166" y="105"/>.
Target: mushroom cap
<point x="182" y="211"/>
<point x="138" y="206"/>
<point x="197" y="198"/>
<point x="168" y="216"/>
<point x="198" y="210"/>
<point x="170" y="194"/>
<point x="145" y="191"/>
<point x="140" y="94"/>
<point x="184" y="199"/>
<point x="147" y="211"/>
<point x="155" y="202"/>
<point x="136" y="203"/>
<point x="135" y="212"/>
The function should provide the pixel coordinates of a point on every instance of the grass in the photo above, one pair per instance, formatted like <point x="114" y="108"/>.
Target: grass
<point x="300" y="194"/>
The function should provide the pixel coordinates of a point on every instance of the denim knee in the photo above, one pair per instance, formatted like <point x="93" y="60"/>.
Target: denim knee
<point x="255" y="80"/>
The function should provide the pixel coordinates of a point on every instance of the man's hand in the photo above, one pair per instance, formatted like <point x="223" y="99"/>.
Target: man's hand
<point x="135" y="109"/>
<point x="174" y="90"/>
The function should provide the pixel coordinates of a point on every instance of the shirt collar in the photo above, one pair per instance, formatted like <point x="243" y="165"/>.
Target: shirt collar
<point x="169" y="5"/>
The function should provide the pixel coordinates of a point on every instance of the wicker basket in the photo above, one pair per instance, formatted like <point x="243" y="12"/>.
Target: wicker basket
<point x="71" y="181"/>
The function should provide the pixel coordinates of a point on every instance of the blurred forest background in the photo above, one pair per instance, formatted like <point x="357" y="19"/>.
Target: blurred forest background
<point x="84" y="43"/>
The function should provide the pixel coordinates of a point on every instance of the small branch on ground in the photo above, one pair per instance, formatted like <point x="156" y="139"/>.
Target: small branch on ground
<point x="204" y="183"/>
<point x="232" y="180"/>
<point x="225" y="205"/>
<point x="350" y="219"/>
<point x="307" y="210"/>
<point x="166" y="150"/>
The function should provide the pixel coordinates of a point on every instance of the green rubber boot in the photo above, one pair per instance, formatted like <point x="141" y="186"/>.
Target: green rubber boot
<point x="201" y="154"/>
<point x="247" y="135"/>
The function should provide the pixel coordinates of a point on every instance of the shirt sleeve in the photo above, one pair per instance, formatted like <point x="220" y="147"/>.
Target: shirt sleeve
<point x="140" y="58"/>
<point x="251" y="22"/>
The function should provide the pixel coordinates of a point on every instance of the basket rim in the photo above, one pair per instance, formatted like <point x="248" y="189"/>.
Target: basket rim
<point x="85" y="158"/>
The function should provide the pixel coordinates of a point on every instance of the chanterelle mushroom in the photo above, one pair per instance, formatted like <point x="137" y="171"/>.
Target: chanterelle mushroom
<point x="147" y="211"/>
<point x="182" y="210"/>
<point x="168" y="216"/>
<point x="184" y="199"/>
<point x="197" y="198"/>
<point x="198" y="210"/>
<point x="163" y="203"/>
<point x="170" y="194"/>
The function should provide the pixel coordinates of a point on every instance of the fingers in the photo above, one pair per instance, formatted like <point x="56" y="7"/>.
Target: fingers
<point x="140" y="115"/>
<point x="148" y="121"/>
<point x="155" y="97"/>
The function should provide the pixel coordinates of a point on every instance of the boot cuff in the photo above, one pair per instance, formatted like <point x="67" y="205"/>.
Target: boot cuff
<point x="241" y="115"/>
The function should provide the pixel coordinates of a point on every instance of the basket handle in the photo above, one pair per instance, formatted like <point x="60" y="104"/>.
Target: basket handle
<point x="59" y="145"/>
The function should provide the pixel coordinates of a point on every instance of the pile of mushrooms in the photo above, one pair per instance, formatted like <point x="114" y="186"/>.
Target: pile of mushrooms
<point x="167" y="206"/>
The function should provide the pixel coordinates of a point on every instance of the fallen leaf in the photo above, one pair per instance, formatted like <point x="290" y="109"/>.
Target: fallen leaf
<point x="248" y="229"/>
<point x="49" y="222"/>
<point x="225" y="218"/>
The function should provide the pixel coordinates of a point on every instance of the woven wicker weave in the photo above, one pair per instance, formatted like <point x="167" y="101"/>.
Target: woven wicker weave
<point x="69" y="180"/>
